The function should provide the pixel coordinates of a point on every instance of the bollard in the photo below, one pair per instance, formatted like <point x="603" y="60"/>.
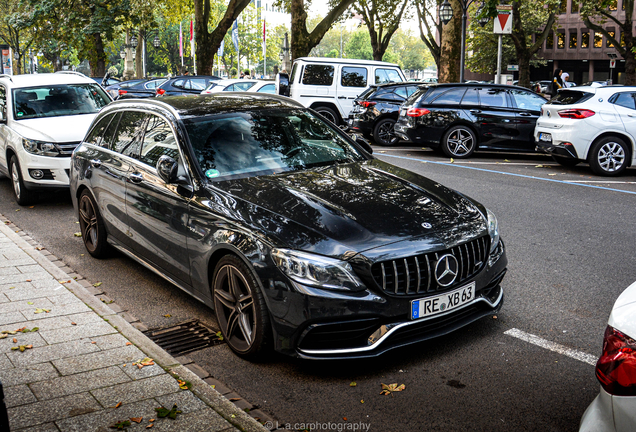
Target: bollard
<point x="4" y="418"/>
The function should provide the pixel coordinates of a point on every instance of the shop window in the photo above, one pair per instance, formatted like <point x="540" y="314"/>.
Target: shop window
<point x="608" y="42"/>
<point x="560" y="40"/>
<point x="598" y="40"/>
<point x="549" y="41"/>
<point x="613" y="5"/>
<point x="573" y="39"/>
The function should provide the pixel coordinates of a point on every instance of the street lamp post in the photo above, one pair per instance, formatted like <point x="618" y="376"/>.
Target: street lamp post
<point x="284" y="54"/>
<point x="446" y="14"/>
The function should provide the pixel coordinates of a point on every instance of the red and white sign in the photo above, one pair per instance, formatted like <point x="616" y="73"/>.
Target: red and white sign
<point x="503" y="21"/>
<point x="612" y="64"/>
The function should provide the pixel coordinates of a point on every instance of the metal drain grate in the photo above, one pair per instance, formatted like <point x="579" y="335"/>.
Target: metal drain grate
<point x="184" y="337"/>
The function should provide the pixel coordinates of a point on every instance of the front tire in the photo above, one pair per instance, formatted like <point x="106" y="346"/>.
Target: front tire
<point x="383" y="133"/>
<point x="459" y="142"/>
<point x="92" y="226"/>
<point x="23" y="196"/>
<point x="240" y="309"/>
<point x="609" y="156"/>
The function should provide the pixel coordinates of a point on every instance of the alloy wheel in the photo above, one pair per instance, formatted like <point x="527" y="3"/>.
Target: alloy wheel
<point x="611" y="156"/>
<point x="15" y="178"/>
<point x="235" y="307"/>
<point x="460" y="142"/>
<point x="385" y="133"/>
<point x="88" y="223"/>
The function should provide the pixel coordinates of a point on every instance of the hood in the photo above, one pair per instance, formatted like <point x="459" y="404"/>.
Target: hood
<point x="623" y="316"/>
<point x="346" y="209"/>
<point x="56" y="129"/>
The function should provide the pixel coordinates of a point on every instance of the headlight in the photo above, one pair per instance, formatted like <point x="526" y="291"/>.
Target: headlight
<point x="316" y="270"/>
<point x="40" y="148"/>
<point x="493" y="230"/>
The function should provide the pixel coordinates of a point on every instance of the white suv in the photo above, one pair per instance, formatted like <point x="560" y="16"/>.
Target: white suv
<point x="593" y="124"/>
<point x="330" y="85"/>
<point x="43" y="117"/>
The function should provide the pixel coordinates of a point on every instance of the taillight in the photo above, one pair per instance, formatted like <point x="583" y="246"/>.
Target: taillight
<point x="576" y="113"/>
<point x="160" y="92"/>
<point x="121" y="92"/>
<point x="616" y="369"/>
<point x="367" y="104"/>
<point x="417" y="112"/>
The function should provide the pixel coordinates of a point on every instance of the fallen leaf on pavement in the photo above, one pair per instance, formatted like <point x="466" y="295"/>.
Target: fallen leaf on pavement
<point x="15" y="340"/>
<point x="165" y="412"/>
<point x="78" y="234"/>
<point x="234" y="399"/>
<point x="390" y="388"/>
<point x="185" y="385"/>
<point x="150" y="425"/>
<point x="29" y="303"/>
<point x="136" y="419"/>
<point x="28" y="280"/>
<point x="40" y="310"/>
<point x="93" y="342"/>
<point x="118" y="405"/>
<point x="353" y="384"/>
<point x="73" y="323"/>
<point x="167" y="315"/>
<point x="96" y="284"/>
<point x="452" y="160"/>
<point x="151" y="420"/>
<point x="361" y="400"/>
<point x="2" y="336"/>
<point x="121" y="425"/>
<point x="144" y="362"/>
<point x="128" y="343"/>
<point x="39" y="248"/>
<point x="344" y="418"/>
<point x="219" y="335"/>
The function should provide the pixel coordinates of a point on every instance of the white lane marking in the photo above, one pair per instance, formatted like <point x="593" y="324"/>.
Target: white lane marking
<point x="552" y="346"/>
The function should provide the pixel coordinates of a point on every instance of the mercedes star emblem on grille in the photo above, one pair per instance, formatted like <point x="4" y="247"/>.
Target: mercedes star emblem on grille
<point x="446" y="270"/>
<point x="426" y="225"/>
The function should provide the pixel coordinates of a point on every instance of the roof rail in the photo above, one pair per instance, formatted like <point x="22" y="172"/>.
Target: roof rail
<point x="71" y="72"/>
<point x="6" y="76"/>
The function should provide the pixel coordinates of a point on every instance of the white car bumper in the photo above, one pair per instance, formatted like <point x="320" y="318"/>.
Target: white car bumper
<point x="55" y="169"/>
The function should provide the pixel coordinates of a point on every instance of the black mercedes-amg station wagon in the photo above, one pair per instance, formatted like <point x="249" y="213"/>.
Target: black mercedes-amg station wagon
<point x="295" y="235"/>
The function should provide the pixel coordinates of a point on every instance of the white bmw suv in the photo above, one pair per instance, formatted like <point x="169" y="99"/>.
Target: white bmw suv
<point x="43" y="117"/>
<point x="593" y="124"/>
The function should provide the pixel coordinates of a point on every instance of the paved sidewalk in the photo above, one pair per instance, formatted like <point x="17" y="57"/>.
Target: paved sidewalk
<point x="76" y="371"/>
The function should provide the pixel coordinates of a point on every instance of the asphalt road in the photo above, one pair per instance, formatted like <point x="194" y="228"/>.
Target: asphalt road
<point x="570" y="239"/>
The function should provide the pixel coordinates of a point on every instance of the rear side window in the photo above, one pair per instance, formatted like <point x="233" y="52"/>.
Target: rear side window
<point x="526" y="100"/>
<point x="354" y="77"/>
<point x="129" y="133"/>
<point x="624" y="99"/>
<point x="196" y="84"/>
<point x="493" y="97"/>
<point x="158" y="141"/>
<point x="107" y="138"/>
<point x="401" y="92"/>
<point x="97" y="133"/>
<point x="450" y="97"/>
<point x="179" y="83"/>
<point x="471" y="97"/>
<point x="318" y="75"/>
<point x="569" y="97"/>
<point x="386" y="76"/>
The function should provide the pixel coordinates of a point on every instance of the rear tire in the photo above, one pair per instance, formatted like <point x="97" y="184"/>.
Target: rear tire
<point x="459" y="142"/>
<point x="240" y="309"/>
<point x="609" y="156"/>
<point x="23" y="196"/>
<point x="565" y="161"/>
<point x="383" y="133"/>
<point x="328" y="114"/>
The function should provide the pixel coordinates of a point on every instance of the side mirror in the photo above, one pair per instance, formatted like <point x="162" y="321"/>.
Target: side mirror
<point x="282" y="84"/>
<point x="364" y="144"/>
<point x="167" y="169"/>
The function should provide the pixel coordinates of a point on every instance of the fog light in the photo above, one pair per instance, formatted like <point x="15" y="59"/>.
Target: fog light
<point x="37" y="174"/>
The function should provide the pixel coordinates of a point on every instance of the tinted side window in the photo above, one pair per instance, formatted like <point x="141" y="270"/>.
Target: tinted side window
<point x="97" y="133"/>
<point x="527" y="100"/>
<point x="625" y="100"/>
<point x="493" y="97"/>
<point x="269" y="88"/>
<point x="107" y="138"/>
<point x="129" y="133"/>
<point x="411" y="89"/>
<point x="196" y="84"/>
<point x="401" y="91"/>
<point x="451" y="97"/>
<point x="354" y="77"/>
<point x="318" y="75"/>
<point x="3" y="102"/>
<point x="471" y="97"/>
<point x="179" y="83"/>
<point x="386" y="75"/>
<point x="158" y="141"/>
<point x="433" y="93"/>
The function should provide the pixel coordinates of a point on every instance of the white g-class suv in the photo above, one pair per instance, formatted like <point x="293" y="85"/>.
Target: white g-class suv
<point x="43" y="117"/>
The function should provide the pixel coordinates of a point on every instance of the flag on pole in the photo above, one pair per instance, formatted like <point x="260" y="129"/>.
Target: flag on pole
<point x="263" y="31"/>
<point x="221" y="49"/>
<point x="235" y="37"/>
<point x="181" y="43"/>
<point x="192" y="38"/>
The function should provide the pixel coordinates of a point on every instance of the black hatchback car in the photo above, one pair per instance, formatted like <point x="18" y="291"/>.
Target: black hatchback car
<point x="185" y="85"/>
<point x="296" y="235"/>
<point x="137" y="89"/>
<point x="376" y="110"/>
<point x="461" y="118"/>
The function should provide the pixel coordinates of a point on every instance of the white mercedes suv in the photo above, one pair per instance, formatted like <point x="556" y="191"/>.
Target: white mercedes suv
<point x="593" y="124"/>
<point x="43" y="117"/>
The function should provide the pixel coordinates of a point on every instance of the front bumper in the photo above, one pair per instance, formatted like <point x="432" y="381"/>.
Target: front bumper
<point x="314" y="324"/>
<point x="56" y="171"/>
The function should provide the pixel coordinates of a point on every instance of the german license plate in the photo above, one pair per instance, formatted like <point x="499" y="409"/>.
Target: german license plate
<point x="545" y="137"/>
<point x="430" y="306"/>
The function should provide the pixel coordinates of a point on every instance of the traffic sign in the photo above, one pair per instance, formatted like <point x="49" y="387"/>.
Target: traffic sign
<point x="503" y="22"/>
<point x="513" y="68"/>
<point x="612" y="64"/>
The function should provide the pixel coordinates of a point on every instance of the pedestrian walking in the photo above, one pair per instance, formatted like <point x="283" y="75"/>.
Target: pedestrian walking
<point x="566" y="77"/>
<point x="557" y="82"/>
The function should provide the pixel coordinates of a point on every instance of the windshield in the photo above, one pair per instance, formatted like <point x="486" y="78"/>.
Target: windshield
<point x="265" y="142"/>
<point x="58" y="100"/>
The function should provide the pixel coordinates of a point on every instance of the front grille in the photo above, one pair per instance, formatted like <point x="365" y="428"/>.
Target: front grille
<point x="416" y="274"/>
<point x="66" y="149"/>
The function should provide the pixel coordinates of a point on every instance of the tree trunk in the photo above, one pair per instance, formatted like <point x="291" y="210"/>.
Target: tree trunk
<point x="450" y="50"/>
<point x="99" y="68"/>
<point x="524" y="69"/>
<point x="630" y="68"/>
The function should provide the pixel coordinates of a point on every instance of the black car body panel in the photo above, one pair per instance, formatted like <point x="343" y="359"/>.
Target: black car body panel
<point x="136" y="89"/>
<point x="502" y="117"/>
<point x="381" y="219"/>
<point x="185" y="85"/>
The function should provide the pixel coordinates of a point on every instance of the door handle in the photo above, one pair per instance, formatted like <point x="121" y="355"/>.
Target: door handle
<point x="525" y="114"/>
<point x="342" y="97"/>
<point x="631" y="115"/>
<point x="136" y="177"/>
<point x="475" y="111"/>
<point x="96" y="163"/>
